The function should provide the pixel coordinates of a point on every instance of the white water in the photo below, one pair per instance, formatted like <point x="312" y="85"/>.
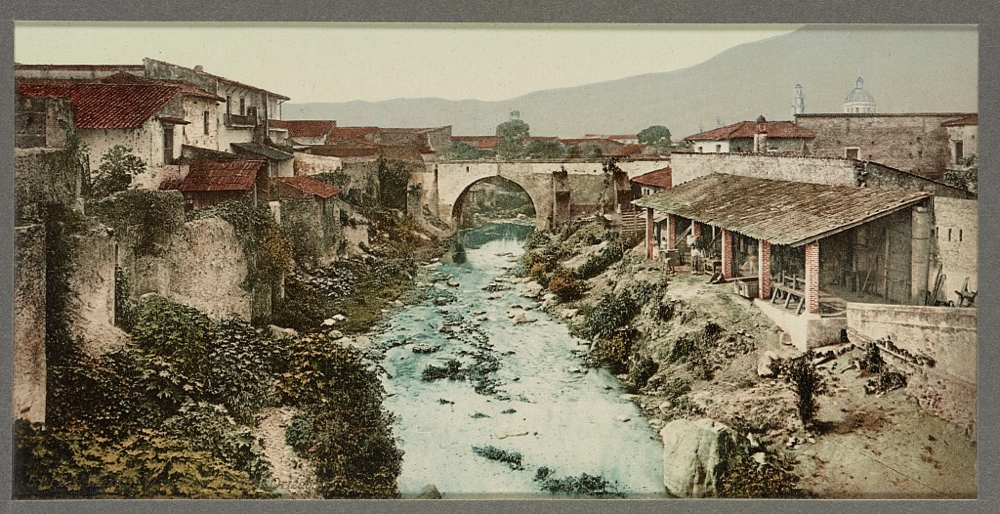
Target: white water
<point x="571" y="413"/>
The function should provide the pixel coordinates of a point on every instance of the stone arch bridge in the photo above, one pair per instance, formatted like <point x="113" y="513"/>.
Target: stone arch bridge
<point x="559" y="190"/>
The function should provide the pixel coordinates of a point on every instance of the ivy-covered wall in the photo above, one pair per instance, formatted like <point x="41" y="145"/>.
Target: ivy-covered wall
<point x="314" y="229"/>
<point x="29" y="324"/>
<point x="45" y="176"/>
<point x="91" y="285"/>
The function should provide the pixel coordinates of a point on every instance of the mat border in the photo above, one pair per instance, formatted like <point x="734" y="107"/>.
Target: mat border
<point x="979" y="12"/>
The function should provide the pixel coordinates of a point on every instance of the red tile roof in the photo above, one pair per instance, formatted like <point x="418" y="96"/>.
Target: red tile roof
<point x="235" y="175"/>
<point x="658" y="178"/>
<point x="409" y="130"/>
<point x="305" y="128"/>
<point x="351" y="132"/>
<point x="107" y="106"/>
<point x="310" y="186"/>
<point x="631" y="150"/>
<point x="969" y="119"/>
<point x="747" y="129"/>
<point x="403" y="152"/>
<point x="570" y="142"/>
<point x="129" y="78"/>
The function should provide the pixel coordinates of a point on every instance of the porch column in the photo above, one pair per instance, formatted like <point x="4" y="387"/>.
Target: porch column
<point x="727" y="254"/>
<point x="764" y="269"/>
<point x="695" y="229"/>
<point x="649" y="233"/>
<point x="812" y="278"/>
<point x="671" y="232"/>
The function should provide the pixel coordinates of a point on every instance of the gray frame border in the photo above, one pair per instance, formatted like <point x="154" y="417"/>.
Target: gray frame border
<point x="980" y="12"/>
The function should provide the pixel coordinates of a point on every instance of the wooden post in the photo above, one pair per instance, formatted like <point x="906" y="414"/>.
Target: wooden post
<point x="812" y="278"/>
<point x="671" y="232"/>
<point x="649" y="233"/>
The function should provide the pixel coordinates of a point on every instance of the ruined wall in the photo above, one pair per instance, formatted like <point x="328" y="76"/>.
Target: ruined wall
<point x="201" y="266"/>
<point x="314" y="229"/>
<point x="91" y="285"/>
<point x="873" y="174"/>
<point x="46" y="176"/>
<point x="912" y="142"/>
<point x="955" y="240"/>
<point x="146" y="143"/>
<point x="42" y="122"/>
<point x="29" y="324"/>
<point x="946" y="335"/>
<point x="689" y="166"/>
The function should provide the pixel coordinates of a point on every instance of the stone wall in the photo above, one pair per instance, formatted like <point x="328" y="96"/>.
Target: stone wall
<point x="912" y="142"/>
<point x="29" y="324"/>
<point x="873" y="174"/>
<point x="201" y="266"/>
<point x="42" y="122"/>
<point x="689" y="166"/>
<point x="91" y="285"/>
<point x="308" y="164"/>
<point x="947" y="384"/>
<point x="314" y="229"/>
<point x="955" y="239"/>
<point x="46" y="176"/>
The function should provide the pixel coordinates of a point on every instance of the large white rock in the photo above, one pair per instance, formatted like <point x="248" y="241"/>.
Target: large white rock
<point x="766" y="365"/>
<point x="694" y="456"/>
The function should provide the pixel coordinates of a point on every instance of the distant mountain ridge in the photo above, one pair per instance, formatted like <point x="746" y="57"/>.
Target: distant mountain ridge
<point x="907" y="69"/>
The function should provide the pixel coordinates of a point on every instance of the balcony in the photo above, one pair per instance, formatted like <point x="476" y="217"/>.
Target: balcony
<point x="237" y="120"/>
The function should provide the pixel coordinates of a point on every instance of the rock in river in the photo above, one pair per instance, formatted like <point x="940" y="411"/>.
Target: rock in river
<point x="429" y="492"/>
<point x="695" y="453"/>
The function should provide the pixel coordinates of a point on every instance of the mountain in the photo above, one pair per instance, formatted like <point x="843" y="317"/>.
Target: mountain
<point x="907" y="69"/>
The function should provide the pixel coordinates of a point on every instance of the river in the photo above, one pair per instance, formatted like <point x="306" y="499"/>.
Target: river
<point x="534" y="396"/>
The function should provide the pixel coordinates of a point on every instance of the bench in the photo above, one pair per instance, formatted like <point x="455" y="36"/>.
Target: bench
<point x="783" y="292"/>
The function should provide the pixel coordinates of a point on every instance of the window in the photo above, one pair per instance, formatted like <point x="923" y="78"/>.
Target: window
<point x="959" y="152"/>
<point x="229" y="104"/>
<point x="206" y="122"/>
<point x="949" y="234"/>
<point x="959" y="235"/>
<point x="243" y="106"/>
<point x="851" y="153"/>
<point x="718" y="148"/>
<point x="701" y="149"/>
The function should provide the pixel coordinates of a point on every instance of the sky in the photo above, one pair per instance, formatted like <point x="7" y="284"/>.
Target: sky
<point x="345" y="62"/>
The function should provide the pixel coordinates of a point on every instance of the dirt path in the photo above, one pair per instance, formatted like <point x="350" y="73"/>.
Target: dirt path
<point x="290" y="472"/>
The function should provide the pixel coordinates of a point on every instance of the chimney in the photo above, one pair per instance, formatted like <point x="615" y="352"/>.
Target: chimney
<point x="199" y="68"/>
<point x="760" y="135"/>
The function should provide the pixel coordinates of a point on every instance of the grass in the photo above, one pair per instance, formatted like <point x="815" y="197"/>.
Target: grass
<point x="511" y="458"/>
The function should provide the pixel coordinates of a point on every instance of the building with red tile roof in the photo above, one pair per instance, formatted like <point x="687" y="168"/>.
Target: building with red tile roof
<point x="210" y="182"/>
<point x="754" y="136"/>
<point x="306" y="132"/>
<point x="656" y="180"/>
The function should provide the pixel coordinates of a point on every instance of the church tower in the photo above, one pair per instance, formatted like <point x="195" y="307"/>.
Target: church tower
<point x="799" y="102"/>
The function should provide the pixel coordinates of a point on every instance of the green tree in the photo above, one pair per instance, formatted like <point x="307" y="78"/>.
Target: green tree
<point x="545" y="150"/>
<point x="118" y="166"/>
<point x="464" y="151"/>
<point x="512" y="133"/>
<point x="657" y="135"/>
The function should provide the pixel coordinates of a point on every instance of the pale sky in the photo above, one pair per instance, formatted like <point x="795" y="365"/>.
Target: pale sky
<point x="344" y="62"/>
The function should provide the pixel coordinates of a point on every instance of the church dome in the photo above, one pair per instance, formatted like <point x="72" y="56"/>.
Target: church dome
<point x="859" y="99"/>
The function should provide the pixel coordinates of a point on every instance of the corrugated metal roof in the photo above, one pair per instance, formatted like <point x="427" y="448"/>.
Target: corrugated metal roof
<point x="263" y="151"/>
<point x="788" y="213"/>
<point x="206" y="175"/>
<point x="310" y="186"/>
<point x="107" y="106"/>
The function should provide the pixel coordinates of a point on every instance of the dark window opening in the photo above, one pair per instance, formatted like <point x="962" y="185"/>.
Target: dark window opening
<point x="206" y="122"/>
<point x="959" y="152"/>
<point x="243" y="107"/>
<point x="949" y="234"/>
<point x="960" y="235"/>
<point x="229" y="104"/>
<point x="718" y="148"/>
<point x="851" y="153"/>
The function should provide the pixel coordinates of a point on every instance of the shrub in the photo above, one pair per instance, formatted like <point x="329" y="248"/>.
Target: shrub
<point x="299" y="434"/>
<point x="565" y="286"/>
<point x="242" y="360"/>
<point x="179" y="333"/>
<point x="597" y="263"/>
<point x="640" y="370"/>
<point x="744" y="478"/>
<point x="118" y="166"/>
<point x="873" y="361"/>
<point x="614" y="351"/>
<point x="303" y="308"/>
<point x="451" y="370"/>
<point x="144" y="218"/>
<point x="807" y="384"/>
<point x="612" y="312"/>
<point x="583" y="485"/>
<point x="209" y="428"/>
<point x="511" y="458"/>
<point x="72" y="463"/>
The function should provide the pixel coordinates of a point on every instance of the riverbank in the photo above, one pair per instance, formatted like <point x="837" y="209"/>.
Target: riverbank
<point x="691" y="350"/>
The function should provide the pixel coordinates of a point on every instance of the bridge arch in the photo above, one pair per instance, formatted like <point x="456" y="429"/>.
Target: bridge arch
<point x="465" y="198"/>
<point x="454" y="180"/>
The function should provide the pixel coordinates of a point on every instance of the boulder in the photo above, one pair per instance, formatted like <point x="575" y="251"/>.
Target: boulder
<point x="766" y="367"/>
<point x="335" y="334"/>
<point x="512" y="432"/>
<point x="695" y="454"/>
<point x="429" y="492"/>
<point x="282" y="333"/>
